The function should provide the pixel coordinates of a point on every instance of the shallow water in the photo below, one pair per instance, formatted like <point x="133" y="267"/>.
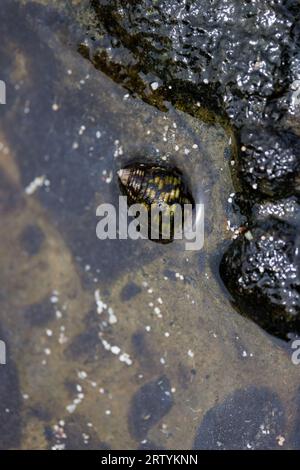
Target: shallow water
<point x="185" y="366"/>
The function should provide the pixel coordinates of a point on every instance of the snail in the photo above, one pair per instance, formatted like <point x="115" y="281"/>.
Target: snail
<point x="157" y="188"/>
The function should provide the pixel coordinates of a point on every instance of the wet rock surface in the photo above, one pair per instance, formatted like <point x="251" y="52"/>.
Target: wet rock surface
<point x="199" y="44"/>
<point x="270" y="161"/>
<point x="248" y="419"/>
<point x="74" y="434"/>
<point x="149" y="405"/>
<point x="296" y="432"/>
<point x="84" y="347"/>
<point x="10" y="401"/>
<point x="194" y="48"/>
<point x="262" y="269"/>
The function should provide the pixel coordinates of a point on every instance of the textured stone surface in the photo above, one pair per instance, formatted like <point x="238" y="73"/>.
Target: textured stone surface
<point x="69" y="387"/>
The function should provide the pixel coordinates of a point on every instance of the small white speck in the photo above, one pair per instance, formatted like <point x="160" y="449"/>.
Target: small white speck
<point x="71" y="408"/>
<point x="112" y="319"/>
<point x="115" y="350"/>
<point x="154" y="86"/>
<point x="125" y="358"/>
<point x="34" y="185"/>
<point x="280" y="440"/>
<point x="81" y="130"/>
<point x="157" y="311"/>
<point x="179" y="276"/>
<point x="82" y="374"/>
<point x="54" y="299"/>
<point x="58" y="314"/>
<point x="249" y="235"/>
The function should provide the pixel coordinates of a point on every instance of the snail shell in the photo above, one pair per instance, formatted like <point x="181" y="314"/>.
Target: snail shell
<point x="149" y="185"/>
<point x="160" y="188"/>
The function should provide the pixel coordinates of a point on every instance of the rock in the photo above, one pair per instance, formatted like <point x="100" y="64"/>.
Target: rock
<point x="261" y="271"/>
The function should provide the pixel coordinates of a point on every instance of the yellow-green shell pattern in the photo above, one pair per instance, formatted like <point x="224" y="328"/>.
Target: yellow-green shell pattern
<point x="154" y="185"/>
<point x="161" y="189"/>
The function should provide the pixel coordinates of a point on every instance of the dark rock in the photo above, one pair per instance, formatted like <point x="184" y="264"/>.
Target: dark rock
<point x="248" y="419"/>
<point x="270" y="161"/>
<point x="148" y="406"/>
<point x="32" y="238"/>
<point x="261" y="271"/>
<point x="129" y="291"/>
<point x="10" y="402"/>
<point x="39" y="314"/>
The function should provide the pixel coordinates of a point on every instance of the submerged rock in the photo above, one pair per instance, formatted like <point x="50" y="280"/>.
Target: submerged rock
<point x="261" y="269"/>
<point x="149" y="405"/>
<point x="250" y="418"/>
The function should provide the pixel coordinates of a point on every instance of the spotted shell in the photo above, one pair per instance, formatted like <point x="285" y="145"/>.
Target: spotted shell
<point x="159" y="188"/>
<point x="154" y="185"/>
